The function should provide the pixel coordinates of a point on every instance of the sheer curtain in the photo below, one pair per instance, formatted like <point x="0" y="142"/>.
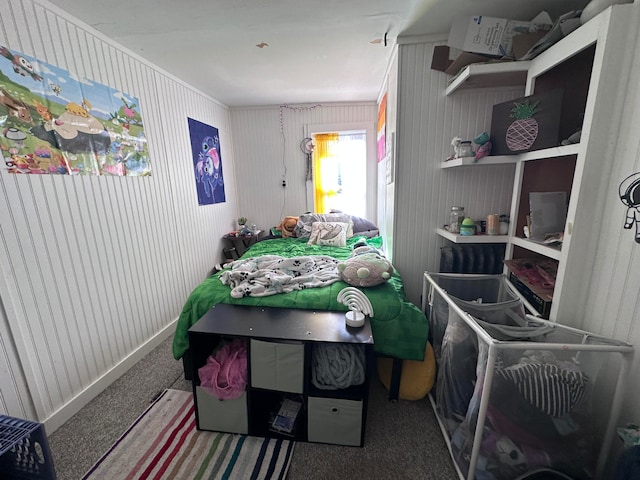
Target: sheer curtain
<point x="339" y="172"/>
<point x="324" y="165"/>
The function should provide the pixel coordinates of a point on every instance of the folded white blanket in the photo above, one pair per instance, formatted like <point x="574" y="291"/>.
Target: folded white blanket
<point x="271" y="274"/>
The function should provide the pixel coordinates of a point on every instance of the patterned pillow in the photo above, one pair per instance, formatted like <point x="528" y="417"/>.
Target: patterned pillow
<point x="306" y="220"/>
<point x="332" y="234"/>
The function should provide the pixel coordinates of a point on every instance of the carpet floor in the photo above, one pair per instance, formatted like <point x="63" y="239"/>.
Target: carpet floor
<point x="402" y="439"/>
<point x="163" y="443"/>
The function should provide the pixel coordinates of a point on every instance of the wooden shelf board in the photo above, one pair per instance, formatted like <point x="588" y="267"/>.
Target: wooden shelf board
<point x="483" y="75"/>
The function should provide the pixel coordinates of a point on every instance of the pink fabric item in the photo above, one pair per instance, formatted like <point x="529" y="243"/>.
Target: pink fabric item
<point x="225" y="374"/>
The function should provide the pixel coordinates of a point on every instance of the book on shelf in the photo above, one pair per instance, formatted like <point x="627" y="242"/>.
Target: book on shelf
<point x="285" y="420"/>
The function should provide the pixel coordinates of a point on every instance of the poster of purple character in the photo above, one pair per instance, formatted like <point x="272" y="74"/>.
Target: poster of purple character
<point x="207" y="162"/>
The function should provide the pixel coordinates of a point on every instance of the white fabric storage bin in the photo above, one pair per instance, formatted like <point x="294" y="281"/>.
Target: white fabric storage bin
<point x="277" y="366"/>
<point x="333" y="420"/>
<point x="222" y="415"/>
<point x="515" y="398"/>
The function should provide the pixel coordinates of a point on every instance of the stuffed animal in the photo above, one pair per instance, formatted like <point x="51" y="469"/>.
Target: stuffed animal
<point x="287" y="226"/>
<point x="366" y="267"/>
<point x="484" y="146"/>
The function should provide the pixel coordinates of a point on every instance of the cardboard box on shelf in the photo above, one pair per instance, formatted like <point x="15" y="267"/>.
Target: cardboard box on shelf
<point x="489" y="35"/>
<point x="451" y="60"/>
<point x="522" y="43"/>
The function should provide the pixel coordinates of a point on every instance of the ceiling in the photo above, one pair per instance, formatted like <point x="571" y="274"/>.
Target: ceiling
<point x="273" y="52"/>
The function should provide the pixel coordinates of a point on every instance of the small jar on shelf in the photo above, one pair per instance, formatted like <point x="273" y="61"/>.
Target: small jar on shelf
<point x="455" y="219"/>
<point x="465" y="149"/>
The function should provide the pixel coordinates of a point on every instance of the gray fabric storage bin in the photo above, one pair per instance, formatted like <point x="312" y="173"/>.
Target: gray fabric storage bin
<point x="277" y="366"/>
<point x="332" y="420"/>
<point x="222" y="415"/>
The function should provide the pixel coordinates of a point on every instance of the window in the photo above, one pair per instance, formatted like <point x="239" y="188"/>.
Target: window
<point x="339" y="172"/>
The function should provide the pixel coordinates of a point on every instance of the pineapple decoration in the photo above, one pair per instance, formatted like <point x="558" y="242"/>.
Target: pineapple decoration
<point x="522" y="133"/>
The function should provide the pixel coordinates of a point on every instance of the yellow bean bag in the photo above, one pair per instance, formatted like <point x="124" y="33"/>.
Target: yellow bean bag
<point x="417" y="377"/>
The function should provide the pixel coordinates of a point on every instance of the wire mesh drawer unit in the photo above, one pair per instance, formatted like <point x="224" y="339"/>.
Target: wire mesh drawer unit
<point x="24" y="450"/>
<point x="515" y="393"/>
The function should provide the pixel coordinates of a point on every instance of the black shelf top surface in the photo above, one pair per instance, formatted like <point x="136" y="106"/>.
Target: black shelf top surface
<point x="281" y="323"/>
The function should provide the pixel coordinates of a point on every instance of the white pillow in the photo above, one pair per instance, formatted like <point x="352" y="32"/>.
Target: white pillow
<point x="333" y="234"/>
<point x="306" y="220"/>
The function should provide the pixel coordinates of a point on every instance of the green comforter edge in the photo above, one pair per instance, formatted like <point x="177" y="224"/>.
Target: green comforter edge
<point x="399" y="327"/>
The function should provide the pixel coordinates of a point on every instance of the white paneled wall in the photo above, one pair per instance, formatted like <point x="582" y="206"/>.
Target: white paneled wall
<point x="267" y="141"/>
<point x="424" y="193"/>
<point x="96" y="269"/>
<point x="612" y="308"/>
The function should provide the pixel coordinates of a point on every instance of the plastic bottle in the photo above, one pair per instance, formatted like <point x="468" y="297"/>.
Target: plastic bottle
<point x="468" y="227"/>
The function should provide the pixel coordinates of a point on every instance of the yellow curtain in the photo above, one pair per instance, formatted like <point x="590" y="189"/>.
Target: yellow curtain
<point x="322" y="185"/>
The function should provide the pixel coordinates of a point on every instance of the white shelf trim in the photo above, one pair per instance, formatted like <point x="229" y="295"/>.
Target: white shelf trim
<point x="532" y="246"/>
<point x="490" y="160"/>
<point x="472" y="238"/>
<point x="561" y="151"/>
<point x="471" y="76"/>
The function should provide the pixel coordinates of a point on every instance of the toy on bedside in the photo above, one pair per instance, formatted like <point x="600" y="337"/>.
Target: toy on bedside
<point x="484" y="146"/>
<point x="366" y="267"/>
<point x="287" y="226"/>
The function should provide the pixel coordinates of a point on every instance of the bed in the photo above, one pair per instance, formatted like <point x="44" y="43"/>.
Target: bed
<point x="399" y="328"/>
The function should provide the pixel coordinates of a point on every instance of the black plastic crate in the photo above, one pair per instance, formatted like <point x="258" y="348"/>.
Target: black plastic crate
<point x="24" y="451"/>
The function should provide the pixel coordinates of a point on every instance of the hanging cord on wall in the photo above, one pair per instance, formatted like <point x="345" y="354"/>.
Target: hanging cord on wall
<point x="284" y="143"/>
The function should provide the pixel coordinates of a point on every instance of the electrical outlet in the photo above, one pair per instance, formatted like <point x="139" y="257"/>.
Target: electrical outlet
<point x="284" y="183"/>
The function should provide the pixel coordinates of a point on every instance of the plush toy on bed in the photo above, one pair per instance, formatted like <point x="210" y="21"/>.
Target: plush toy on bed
<point x="366" y="267"/>
<point x="287" y="226"/>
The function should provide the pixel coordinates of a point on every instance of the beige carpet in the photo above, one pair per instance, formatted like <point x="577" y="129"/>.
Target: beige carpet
<point x="163" y="443"/>
<point x="402" y="439"/>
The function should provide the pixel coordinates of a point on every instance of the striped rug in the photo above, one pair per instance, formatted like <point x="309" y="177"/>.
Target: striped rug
<point x="163" y="443"/>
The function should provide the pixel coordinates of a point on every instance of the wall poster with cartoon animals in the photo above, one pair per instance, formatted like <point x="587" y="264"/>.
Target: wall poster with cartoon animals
<point x="207" y="162"/>
<point x="55" y="122"/>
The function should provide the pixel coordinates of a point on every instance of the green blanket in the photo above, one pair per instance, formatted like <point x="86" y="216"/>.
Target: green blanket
<point x="399" y="327"/>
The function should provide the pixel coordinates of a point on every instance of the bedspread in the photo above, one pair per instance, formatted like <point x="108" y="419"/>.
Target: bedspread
<point x="273" y="274"/>
<point x="399" y="327"/>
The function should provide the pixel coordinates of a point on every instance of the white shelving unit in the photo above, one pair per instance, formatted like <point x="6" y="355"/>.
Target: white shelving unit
<point x="585" y="64"/>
